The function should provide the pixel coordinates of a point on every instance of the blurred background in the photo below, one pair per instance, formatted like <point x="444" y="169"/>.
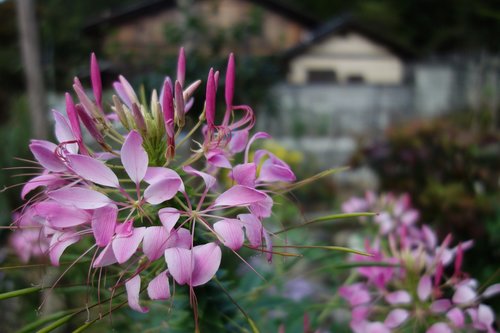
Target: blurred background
<point x="406" y="93"/>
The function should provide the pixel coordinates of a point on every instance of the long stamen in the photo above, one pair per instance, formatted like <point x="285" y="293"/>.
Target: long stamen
<point x="64" y="273"/>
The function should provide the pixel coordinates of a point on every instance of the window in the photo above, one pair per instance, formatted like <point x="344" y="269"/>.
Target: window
<point x="355" y="79"/>
<point x="321" y="76"/>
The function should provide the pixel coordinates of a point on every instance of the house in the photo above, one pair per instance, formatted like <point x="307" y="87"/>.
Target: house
<point x="344" y="51"/>
<point x="339" y="51"/>
<point x="343" y="80"/>
<point x="153" y="29"/>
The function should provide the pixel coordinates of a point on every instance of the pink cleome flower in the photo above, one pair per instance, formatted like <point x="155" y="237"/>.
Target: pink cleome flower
<point x="136" y="198"/>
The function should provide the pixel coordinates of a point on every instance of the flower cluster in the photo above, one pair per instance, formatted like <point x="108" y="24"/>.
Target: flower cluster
<point x="132" y="200"/>
<point x="411" y="282"/>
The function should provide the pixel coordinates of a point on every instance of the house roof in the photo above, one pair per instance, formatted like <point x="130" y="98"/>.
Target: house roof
<point x="131" y="12"/>
<point x="341" y="25"/>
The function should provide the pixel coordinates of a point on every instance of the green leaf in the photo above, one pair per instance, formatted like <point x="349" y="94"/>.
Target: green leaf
<point x="42" y="321"/>
<point x="20" y="292"/>
<point x="56" y="324"/>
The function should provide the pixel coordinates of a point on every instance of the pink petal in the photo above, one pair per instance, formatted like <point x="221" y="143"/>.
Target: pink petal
<point x="210" y="98"/>
<point x="89" y="123"/>
<point x="59" y="242"/>
<point x="64" y="132"/>
<point x="155" y="242"/>
<point x="491" y="290"/>
<point x="26" y="218"/>
<point x="410" y="217"/>
<point x="189" y="103"/>
<point x="95" y="76"/>
<point x="262" y="208"/>
<point x="179" y="103"/>
<point x="125" y="247"/>
<point x="127" y="88"/>
<point x="360" y="313"/>
<point x="398" y="297"/>
<point x="184" y="239"/>
<point x="485" y="315"/>
<point x="274" y="172"/>
<point x="105" y="258"/>
<point x="256" y="136"/>
<point x="269" y="246"/>
<point x="245" y="174"/>
<point x="73" y="117"/>
<point x="45" y="154"/>
<point x="92" y="170"/>
<point x="472" y="312"/>
<point x="42" y="180"/>
<point x="396" y="317"/>
<point x="159" y="288"/>
<point x="253" y="229"/>
<point x="216" y="79"/>
<point x="356" y="294"/>
<point x="208" y="179"/>
<point x="229" y="91"/>
<point x="429" y="236"/>
<point x="139" y="120"/>
<point x="463" y="295"/>
<point x="424" y="287"/>
<point x="105" y="156"/>
<point x="181" y="66"/>
<point x="440" y="305"/>
<point x="207" y="259"/>
<point x="133" y="287"/>
<point x="216" y="157"/>
<point x="376" y="327"/>
<point x="134" y="157"/>
<point x="238" y="141"/>
<point x="85" y="101"/>
<point x="169" y="217"/>
<point x="239" y="195"/>
<point x="104" y="224"/>
<point x="456" y="316"/>
<point x="439" y="328"/>
<point x="121" y="92"/>
<point x="167" y="83"/>
<point x="155" y="174"/>
<point x="231" y="232"/>
<point x="168" y="108"/>
<point x="179" y="264"/>
<point x="60" y="216"/>
<point x="125" y="229"/>
<point x="162" y="190"/>
<point x="80" y="197"/>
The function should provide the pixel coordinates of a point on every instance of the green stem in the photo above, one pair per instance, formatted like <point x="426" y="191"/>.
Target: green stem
<point x="324" y="219"/>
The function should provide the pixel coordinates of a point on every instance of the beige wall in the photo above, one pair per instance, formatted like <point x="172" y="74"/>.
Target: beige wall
<point x="348" y="55"/>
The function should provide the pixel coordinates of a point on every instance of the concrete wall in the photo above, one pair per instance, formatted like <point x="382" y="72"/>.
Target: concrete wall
<point x="326" y="110"/>
<point x="325" y="120"/>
